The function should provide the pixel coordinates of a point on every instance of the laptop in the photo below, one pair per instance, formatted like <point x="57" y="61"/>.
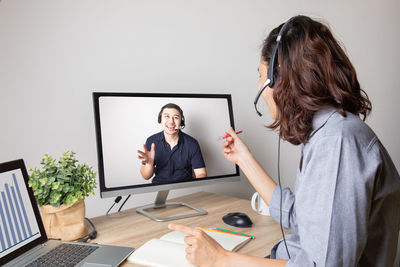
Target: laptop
<point x="23" y="239"/>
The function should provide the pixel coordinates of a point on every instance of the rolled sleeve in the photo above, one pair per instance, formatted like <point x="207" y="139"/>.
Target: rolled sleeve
<point x="288" y="211"/>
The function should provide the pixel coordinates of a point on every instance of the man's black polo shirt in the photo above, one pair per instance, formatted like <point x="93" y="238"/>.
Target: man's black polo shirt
<point x="176" y="164"/>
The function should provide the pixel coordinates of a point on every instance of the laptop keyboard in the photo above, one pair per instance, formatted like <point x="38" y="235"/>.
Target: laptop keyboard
<point x="63" y="255"/>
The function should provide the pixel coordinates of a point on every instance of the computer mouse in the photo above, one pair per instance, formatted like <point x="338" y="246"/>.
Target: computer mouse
<point x="238" y="219"/>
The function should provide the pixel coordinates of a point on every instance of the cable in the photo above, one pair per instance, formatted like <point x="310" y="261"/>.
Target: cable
<point x="116" y="200"/>
<point x="123" y="203"/>
<point x="280" y="204"/>
<point x="92" y="235"/>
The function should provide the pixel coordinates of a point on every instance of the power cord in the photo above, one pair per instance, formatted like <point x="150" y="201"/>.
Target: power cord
<point x="280" y="204"/>
<point x="123" y="203"/>
<point x="116" y="200"/>
<point x="92" y="234"/>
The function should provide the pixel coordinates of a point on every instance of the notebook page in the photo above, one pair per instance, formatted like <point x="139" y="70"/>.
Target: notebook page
<point x="227" y="241"/>
<point x="160" y="253"/>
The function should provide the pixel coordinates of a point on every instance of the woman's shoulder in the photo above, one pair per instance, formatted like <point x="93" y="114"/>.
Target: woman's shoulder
<point x="349" y="128"/>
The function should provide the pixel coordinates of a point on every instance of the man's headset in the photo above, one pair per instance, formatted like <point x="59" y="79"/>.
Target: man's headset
<point x="273" y="72"/>
<point x="175" y="106"/>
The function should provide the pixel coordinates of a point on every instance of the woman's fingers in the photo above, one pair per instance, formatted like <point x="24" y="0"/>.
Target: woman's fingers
<point x="232" y="133"/>
<point x="182" y="228"/>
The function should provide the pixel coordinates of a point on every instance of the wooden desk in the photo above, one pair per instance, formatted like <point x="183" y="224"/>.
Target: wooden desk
<point x="128" y="228"/>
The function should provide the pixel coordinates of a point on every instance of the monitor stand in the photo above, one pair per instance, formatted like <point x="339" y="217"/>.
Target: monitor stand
<point x="160" y="203"/>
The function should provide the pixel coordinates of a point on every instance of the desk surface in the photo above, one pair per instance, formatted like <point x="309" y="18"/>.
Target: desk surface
<point x="128" y="228"/>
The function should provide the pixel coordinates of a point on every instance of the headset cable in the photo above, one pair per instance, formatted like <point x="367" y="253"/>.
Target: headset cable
<point x="280" y="204"/>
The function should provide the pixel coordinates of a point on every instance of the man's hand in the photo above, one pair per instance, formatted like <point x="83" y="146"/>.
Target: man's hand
<point x="147" y="157"/>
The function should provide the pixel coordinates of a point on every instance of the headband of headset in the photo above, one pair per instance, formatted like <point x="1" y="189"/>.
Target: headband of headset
<point x="271" y="75"/>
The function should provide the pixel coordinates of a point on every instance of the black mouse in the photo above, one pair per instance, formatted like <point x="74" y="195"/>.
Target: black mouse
<point x="237" y="219"/>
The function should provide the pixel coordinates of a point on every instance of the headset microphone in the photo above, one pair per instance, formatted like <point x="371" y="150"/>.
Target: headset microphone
<point x="267" y="82"/>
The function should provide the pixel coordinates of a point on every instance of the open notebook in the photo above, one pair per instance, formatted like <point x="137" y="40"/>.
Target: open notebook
<point x="169" y="250"/>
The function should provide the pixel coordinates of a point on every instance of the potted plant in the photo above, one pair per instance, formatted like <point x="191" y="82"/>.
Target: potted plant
<point x="59" y="189"/>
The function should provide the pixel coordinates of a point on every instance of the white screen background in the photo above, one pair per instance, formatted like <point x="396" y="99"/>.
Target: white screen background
<point x="126" y="123"/>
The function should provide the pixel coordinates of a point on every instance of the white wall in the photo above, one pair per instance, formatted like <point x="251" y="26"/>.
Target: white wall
<point x="53" y="54"/>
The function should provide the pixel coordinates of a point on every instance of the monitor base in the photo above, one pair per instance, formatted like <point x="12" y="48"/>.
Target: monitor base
<point x="161" y="203"/>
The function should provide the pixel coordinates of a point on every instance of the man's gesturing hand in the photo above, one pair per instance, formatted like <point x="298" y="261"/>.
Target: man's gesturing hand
<point x="147" y="157"/>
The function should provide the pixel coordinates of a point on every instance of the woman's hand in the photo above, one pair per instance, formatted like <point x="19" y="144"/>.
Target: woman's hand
<point x="202" y="250"/>
<point x="146" y="156"/>
<point x="234" y="149"/>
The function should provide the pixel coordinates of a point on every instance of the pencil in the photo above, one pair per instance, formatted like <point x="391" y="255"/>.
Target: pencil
<point x="219" y="230"/>
<point x="225" y="232"/>
<point x="228" y="135"/>
<point x="228" y="231"/>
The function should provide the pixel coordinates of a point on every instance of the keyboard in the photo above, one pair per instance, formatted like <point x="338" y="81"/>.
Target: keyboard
<point x="67" y="255"/>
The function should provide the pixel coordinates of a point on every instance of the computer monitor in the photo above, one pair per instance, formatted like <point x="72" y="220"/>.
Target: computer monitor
<point x="124" y="121"/>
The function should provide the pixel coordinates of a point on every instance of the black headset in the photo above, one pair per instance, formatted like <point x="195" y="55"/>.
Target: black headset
<point x="272" y="76"/>
<point x="273" y="72"/>
<point x="175" y="106"/>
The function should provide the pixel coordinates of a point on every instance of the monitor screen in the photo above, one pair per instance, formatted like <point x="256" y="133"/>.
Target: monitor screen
<point x="125" y="122"/>
<point x="21" y="227"/>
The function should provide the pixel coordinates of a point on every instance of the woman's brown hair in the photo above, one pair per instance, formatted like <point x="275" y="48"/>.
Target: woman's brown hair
<point x="314" y="72"/>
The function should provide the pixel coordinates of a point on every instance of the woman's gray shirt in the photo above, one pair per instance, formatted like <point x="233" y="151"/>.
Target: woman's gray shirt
<point x="346" y="206"/>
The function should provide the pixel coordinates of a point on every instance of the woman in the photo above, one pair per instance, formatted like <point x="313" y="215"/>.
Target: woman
<point x="347" y="188"/>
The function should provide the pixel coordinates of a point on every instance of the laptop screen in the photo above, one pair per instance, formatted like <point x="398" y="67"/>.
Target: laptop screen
<point x="21" y="227"/>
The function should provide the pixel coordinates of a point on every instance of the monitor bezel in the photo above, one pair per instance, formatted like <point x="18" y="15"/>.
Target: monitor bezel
<point x="145" y="188"/>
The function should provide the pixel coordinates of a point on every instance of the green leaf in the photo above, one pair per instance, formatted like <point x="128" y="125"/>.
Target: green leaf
<point x="55" y="198"/>
<point x="56" y="186"/>
<point x="66" y="188"/>
<point x="43" y="181"/>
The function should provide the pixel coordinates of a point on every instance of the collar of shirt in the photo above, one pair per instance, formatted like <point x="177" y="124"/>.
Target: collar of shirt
<point x="320" y="118"/>
<point x="161" y="137"/>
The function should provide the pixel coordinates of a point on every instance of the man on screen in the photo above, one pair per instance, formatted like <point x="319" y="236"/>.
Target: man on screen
<point x="171" y="154"/>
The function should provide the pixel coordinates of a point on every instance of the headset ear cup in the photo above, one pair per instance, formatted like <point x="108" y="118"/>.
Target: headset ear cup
<point x="159" y="117"/>
<point x="183" y="122"/>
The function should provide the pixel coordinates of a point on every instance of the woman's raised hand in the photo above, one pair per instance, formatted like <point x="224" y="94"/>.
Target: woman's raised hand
<point x="234" y="149"/>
